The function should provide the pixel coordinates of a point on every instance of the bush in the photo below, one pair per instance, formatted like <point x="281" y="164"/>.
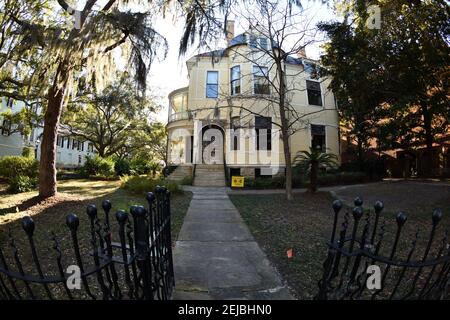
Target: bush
<point x="20" y="184"/>
<point x="141" y="166"/>
<point x="265" y="182"/>
<point x="13" y="166"/>
<point x="187" y="181"/>
<point x="28" y="152"/>
<point x="98" y="166"/>
<point x="122" y="167"/>
<point x="142" y="184"/>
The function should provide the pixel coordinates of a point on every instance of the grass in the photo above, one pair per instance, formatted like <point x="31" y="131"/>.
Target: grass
<point x="50" y="215"/>
<point x="305" y="225"/>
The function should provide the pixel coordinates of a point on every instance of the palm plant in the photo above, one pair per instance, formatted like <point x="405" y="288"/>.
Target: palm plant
<point x="311" y="161"/>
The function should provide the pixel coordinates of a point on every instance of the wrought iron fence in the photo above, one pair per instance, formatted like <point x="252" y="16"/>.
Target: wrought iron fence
<point x="138" y="266"/>
<point x="407" y="270"/>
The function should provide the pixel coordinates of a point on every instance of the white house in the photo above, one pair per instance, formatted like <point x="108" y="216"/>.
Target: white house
<point x="71" y="152"/>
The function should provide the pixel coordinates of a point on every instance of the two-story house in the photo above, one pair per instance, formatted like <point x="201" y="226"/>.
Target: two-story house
<point x="71" y="152"/>
<point x="225" y="121"/>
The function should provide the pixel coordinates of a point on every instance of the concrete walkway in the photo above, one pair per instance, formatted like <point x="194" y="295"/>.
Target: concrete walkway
<point x="216" y="257"/>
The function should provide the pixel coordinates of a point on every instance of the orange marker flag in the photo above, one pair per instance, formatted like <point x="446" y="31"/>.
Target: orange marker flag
<point x="290" y="253"/>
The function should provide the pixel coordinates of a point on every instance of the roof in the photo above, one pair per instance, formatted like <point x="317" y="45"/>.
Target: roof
<point x="241" y="39"/>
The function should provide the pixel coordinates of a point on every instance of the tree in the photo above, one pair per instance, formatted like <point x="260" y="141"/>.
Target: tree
<point x="286" y="26"/>
<point x="313" y="160"/>
<point x="115" y="120"/>
<point x="391" y="83"/>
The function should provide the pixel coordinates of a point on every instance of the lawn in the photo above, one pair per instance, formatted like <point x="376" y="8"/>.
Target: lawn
<point x="305" y="225"/>
<point x="50" y="215"/>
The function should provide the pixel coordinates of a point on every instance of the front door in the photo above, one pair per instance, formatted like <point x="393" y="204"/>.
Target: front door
<point x="212" y="145"/>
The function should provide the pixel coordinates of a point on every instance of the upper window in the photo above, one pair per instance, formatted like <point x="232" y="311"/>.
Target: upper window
<point x="314" y="93"/>
<point x="212" y="84"/>
<point x="263" y="43"/>
<point x="257" y="43"/>
<point x="235" y="80"/>
<point x="318" y="140"/>
<point x="260" y="80"/>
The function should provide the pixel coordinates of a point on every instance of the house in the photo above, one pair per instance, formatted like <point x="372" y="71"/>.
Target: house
<point x="71" y="152"/>
<point x="224" y="123"/>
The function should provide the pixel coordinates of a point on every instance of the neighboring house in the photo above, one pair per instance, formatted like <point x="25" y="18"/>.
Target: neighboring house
<point x="227" y="92"/>
<point x="71" y="152"/>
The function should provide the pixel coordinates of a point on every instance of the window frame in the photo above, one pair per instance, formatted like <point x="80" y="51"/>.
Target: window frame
<point x="235" y="80"/>
<point x="217" y="84"/>
<point x="264" y="76"/>
<point x="324" y="145"/>
<point x="268" y="134"/>
<point x="320" y="92"/>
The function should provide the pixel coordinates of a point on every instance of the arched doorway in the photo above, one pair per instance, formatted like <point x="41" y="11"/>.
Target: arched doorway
<point x="213" y="144"/>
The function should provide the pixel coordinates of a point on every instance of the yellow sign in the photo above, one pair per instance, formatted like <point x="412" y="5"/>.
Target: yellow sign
<point x="237" y="181"/>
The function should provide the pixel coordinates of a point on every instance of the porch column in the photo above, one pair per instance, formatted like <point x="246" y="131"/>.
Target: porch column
<point x="197" y="141"/>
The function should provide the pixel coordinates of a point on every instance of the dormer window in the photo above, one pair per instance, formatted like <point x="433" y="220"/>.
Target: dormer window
<point x="260" y="43"/>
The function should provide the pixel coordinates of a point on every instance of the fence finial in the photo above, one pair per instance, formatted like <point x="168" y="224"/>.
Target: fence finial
<point x="28" y="225"/>
<point x="337" y="205"/>
<point x="91" y="211"/>
<point x="437" y="216"/>
<point x="72" y="221"/>
<point x="358" y="201"/>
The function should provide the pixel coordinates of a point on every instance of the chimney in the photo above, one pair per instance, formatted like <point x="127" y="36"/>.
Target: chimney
<point x="230" y="30"/>
<point x="301" y="53"/>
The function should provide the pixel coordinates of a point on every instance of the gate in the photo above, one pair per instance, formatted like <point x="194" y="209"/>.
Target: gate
<point x="407" y="270"/>
<point x="138" y="265"/>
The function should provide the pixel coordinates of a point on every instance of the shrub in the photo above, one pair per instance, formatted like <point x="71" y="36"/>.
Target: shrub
<point x="28" y="152"/>
<point x="122" y="167"/>
<point x="265" y="182"/>
<point x="187" y="181"/>
<point x="21" y="183"/>
<point x="352" y="177"/>
<point x="142" y="184"/>
<point x="14" y="166"/>
<point x="98" y="166"/>
<point x="141" y="166"/>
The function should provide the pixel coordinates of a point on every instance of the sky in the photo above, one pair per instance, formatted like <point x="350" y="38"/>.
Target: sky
<point x="171" y="74"/>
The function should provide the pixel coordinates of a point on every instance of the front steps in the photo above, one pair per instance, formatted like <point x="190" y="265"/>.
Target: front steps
<point x="179" y="173"/>
<point x="209" y="175"/>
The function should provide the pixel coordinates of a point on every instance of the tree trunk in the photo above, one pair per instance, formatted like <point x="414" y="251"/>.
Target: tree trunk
<point x="313" y="177"/>
<point x="284" y="133"/>
<point x="428" y="154"/>
<point x="47" y="162"/>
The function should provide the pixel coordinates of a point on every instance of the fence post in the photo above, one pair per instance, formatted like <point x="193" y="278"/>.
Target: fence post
<point x="142" y="249"/>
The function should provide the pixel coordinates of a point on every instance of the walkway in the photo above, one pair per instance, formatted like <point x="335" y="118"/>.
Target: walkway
<point x="216" y="257"/>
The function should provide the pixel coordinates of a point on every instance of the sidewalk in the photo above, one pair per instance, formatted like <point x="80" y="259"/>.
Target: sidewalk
<point x="216" y="257"/>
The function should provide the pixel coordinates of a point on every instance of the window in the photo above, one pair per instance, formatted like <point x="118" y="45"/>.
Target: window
<point x="263" y="127"/>
<point x="257" y="43"/>
<point x="212" y="84"/>
<point x="318" y="137"/>
<point x="260" y="81"/>
<point x="263" y="43"/>
<point x="314" y="93"/>
<point x="74" y="144"/>
<point x="259" y="173"/>
<point x="6" y="127"/>
<point x="235" y="80"/>
<point x="252" y="42"/>
<point x="80" y="146"/>
<point x="9" y="102"/>
<point x="235" y="172"/>
<point x="68" y="143"/>
<point x="235" y="125"/>
<point x="90" y="147"/>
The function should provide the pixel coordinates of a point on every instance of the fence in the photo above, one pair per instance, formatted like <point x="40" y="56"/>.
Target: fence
<point x="407" y="270"/>
<point x="138" y="266"/>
